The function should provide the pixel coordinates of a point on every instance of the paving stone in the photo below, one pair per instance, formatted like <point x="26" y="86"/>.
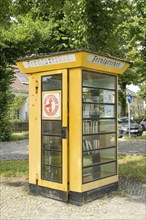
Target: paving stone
<point x="129" y="202"/>
<point x="17" y="203"/>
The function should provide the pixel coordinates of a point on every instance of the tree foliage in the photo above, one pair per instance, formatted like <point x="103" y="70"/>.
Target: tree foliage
<point x="16" y="106"/>
<point x="41" y="26"/>
<point x="142" y="92"/>
<point x="6" y="96"/>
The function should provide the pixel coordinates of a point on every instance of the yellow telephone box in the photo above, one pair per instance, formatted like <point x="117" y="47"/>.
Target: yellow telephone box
<point x="73" y="124"/>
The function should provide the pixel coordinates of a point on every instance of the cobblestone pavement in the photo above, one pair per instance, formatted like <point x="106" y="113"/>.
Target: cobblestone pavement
<point x="16" y="203"/>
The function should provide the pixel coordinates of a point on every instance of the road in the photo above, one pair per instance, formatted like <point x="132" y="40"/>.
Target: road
<point x="18" y="150"/>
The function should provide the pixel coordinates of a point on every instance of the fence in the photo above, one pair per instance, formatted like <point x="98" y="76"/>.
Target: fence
<point x="19" y="126"/>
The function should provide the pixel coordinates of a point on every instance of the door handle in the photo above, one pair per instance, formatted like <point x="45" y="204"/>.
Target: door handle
<point x="64" y="132"/>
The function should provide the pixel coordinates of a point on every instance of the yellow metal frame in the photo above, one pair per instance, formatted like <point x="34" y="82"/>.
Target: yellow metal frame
<point x="75" y="129"/>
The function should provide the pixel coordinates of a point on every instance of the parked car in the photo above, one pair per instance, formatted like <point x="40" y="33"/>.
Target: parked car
<point x="143" y="124"/>
<point x="135" y="128"/>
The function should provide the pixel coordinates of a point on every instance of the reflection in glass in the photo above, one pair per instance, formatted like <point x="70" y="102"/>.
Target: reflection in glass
<point x="52" y="82"/>
<point x="51" y="143"/>
<point x="51" y="127"/>
<point x="95" y="95"/>
<point x="52" y="173"/>
<point x="93" y="126"/>
<point x="90" y="95"/>
<point x="98" y="156"/>
<point x="91" y="111"/>
<point x="51" y="158"/>
<point x="107" y="96"/>
<point x="107" y="111"/>
<point x="107" y="125"/>
<point x="98" y="141"/>
<point x="99" y="171"/>
<point x="98" y="111"/>
<point x="93" y="79"/>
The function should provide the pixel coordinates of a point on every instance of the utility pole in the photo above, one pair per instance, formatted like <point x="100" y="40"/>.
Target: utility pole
<point x="129" y="100"/>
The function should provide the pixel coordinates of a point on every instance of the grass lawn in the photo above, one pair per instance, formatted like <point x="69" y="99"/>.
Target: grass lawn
<point x="16" y="168"/>
<point x="143" y="137"/>
<point x="131" y="167"/>
<point x="19" y="136"/>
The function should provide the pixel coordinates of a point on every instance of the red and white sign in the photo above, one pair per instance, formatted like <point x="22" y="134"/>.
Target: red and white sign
<point x="52" y="105"/>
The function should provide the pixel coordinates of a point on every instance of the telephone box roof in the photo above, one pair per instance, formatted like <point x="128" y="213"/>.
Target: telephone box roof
<point x="84" y="59"/>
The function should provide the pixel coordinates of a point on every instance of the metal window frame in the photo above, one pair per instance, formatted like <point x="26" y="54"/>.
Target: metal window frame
<point x="113" y="161"/>
<point x="61" y="167"/>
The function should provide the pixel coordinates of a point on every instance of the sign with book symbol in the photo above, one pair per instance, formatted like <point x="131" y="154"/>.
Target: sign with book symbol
<point x="51" y="102"/>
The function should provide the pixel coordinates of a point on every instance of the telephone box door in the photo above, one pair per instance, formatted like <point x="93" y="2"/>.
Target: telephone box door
<point x="54" y="130"/>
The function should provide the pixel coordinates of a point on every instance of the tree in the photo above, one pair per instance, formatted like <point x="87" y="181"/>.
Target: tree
<point x="130" y="36"/>
<point x="15" y="107"/>
<point x="6" y="76"/>
<point x="142" y="92"/>
<point x="6" y="97"/>
<point x="41" y="26"/>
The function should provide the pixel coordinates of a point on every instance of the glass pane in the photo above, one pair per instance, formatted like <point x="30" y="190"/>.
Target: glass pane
<point x="51" y="143"/>
<point x="90" y="126"/>
<point x="51" y="127"/>
<point x="93" y="79"/>
<point x="96" y="111"/>
<point x="98" y="141"/>
<point x="51" y="158"/>
<point x="107" y="125"/>
<point x="98" y="95"/>
<point x="108" y="169"/>
<point x="107" y="96"/>
<point x="90" y="95"/>
<point x="91" y="111"/>
<point x="52" y="173"/>
<point x="95" y="126"/>
<point x="100" y="156"/>
<point x="52" y="82"/>
<point x="107" y="111"/>
<point x="99" y="171"/>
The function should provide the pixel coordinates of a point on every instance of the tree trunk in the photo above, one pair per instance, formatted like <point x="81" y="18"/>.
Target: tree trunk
<point x="122" y="99"/>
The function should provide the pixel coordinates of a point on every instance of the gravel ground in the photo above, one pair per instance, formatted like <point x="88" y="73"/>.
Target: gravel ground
<point x="126" y="203"/>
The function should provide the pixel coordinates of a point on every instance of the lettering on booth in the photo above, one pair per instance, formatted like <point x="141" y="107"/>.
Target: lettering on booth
<point x="51" y="105"/>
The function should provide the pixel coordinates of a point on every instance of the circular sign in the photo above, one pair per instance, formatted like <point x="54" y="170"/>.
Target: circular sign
<point x="51" y="105"/>
<point x="129" y="98"/>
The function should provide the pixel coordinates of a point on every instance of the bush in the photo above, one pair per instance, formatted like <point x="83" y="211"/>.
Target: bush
<point x="6" y="99"/>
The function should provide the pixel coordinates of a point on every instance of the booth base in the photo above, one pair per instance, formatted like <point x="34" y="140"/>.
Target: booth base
<point x="79" y="199"/>
<point x="75" y="198"/>
<point x="48" y="192"/>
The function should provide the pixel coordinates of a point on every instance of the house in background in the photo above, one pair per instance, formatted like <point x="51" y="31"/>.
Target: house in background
<point x="20" y="88"/>
<point x="137" y="106"/>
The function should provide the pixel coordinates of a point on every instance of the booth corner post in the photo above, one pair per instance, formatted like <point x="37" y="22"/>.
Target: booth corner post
<point x="73" y="145"/>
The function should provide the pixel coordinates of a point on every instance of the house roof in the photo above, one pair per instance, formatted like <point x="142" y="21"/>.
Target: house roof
<point x="20" y="84"/>
<point x="128" y="91"/>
